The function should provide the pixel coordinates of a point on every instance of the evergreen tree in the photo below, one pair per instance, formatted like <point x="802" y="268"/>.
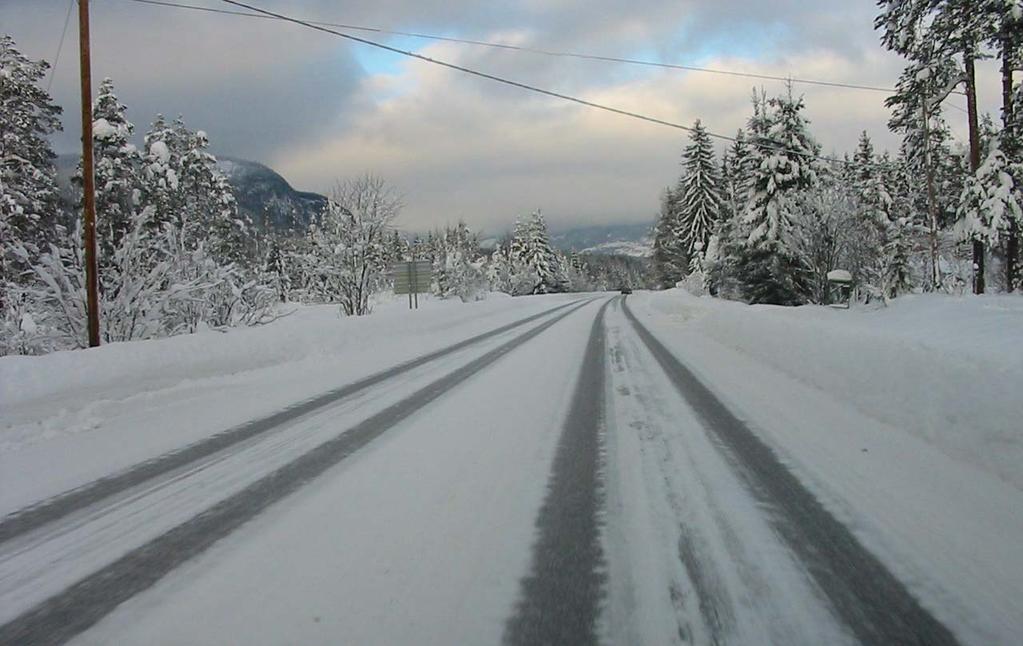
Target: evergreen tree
<point x="699" y="193"/>
<point x="990" y="203"/>
<point x="893" y="180"/>
<point x="28" y="190"/>
<point x="879" y="255"/>
<point x="117" y="171"/>
<point x="188" y="191"/>
<point x="161" y="166"/>
<point x="669" y="255"/>
<point x="532" y="247"/>
<point x="1007" y="41"/>
<point x="769" y="268"/>
<point x="457" y="266"/>
<point x="737" y="172"/>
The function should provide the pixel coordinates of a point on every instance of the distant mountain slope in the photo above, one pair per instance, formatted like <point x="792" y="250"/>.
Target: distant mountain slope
<point x="268" y="198"/>
<point x="620" y="239"/>
<point x="261" y="192"/>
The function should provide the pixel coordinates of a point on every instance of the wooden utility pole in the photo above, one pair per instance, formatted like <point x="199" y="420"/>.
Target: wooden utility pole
<point x="88" y="179"/>
<point x="971" y="110"/>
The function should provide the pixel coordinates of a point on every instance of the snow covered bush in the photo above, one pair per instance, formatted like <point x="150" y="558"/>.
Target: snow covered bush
<point x="346" y="258"/>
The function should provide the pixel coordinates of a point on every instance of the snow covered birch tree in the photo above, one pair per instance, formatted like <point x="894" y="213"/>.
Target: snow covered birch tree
<point x="349" y="243"/>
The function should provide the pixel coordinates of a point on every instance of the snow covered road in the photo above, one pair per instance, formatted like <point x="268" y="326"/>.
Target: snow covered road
<point x="554" y="477"/>
<point x="871" y="603"/>
<point x="147" y="524"/>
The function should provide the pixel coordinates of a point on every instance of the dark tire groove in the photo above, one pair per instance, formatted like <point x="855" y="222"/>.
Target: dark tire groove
<point x="876" y="606"/>
<point x="560" y="598"/>
<point x="84" y="603"/>
<point x="54" y="508"/>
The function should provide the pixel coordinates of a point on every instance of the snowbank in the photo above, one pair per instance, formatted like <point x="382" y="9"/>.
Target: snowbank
<point x="306" y="332"/>
<point x="946" y="369"/>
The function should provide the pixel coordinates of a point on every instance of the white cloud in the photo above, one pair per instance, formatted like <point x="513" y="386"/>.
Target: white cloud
<point x="464" y="148"/>
<point x="461" y="147"/>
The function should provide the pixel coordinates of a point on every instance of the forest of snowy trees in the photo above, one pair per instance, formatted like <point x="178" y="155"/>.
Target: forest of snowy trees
<point x="176" y="255"/>
<point x="767" y="221"/>
<point x="763" y="220"/>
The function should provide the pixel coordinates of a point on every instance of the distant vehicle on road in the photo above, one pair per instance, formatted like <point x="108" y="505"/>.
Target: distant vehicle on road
<point x="626" y="290"/>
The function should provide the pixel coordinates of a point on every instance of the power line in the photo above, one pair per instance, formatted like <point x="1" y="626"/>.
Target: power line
<point x="530" y="50"/>
<point x="545" y="52"/>
<point x="467" y="70"/>
<point x="60" y="45"/>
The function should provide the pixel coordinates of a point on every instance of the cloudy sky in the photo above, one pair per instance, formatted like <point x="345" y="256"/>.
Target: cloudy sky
<point x="317" y="108"/>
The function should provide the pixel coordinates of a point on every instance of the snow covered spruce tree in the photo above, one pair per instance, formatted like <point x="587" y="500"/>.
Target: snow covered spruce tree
<point x="698" y="192"/>
<point x="117" y="169"/>
<point x="736" y="174"/>
<point x="457" y="265"/>
<point x="897" y="254"/>
<point x="729" y="235"/>
<point x="189" y="191"/>
<point x="29" y="200"/>
<point x="698" y="202"/>
<point x="990" y="205"/>
<point x="347" y="246"/>
<point x="28" y="190"/>
<point x="507" y="274"/>
<point x="1007" y="40"/>
<point x="878" y="254"/>
<point x="531" y="246"/>
<point x="671" y="262"/>
<point x="211" y="245"/>
<point x="768" y="267"/>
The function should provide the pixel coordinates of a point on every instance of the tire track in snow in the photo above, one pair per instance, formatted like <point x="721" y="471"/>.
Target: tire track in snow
<point x="560" y="598"/>
<point x="35" y="516"/>
<point x="875" y="605"/>
<point x="82" y="604"/>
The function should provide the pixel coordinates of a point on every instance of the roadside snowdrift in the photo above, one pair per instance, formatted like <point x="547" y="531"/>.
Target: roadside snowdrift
<point x="304" y="333"/>
<point x="946" y="369"/>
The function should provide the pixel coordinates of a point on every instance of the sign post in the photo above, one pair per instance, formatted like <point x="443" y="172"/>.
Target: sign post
<point x="412" y="278"/>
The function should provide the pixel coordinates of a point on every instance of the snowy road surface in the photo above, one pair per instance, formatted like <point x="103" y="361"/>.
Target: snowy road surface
<point x="552" y="475"/>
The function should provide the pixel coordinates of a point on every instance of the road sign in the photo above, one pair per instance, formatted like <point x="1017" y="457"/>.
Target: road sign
<point x="412" y="278"/>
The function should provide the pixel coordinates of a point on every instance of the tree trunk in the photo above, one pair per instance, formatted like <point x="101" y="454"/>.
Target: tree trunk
<point x="971" y="109"/>
<point x="1012" y="241"/>
<point x="932" y="206"/>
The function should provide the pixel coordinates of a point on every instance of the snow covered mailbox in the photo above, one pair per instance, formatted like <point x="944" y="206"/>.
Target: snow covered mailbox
<point x="839" y="288"/>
